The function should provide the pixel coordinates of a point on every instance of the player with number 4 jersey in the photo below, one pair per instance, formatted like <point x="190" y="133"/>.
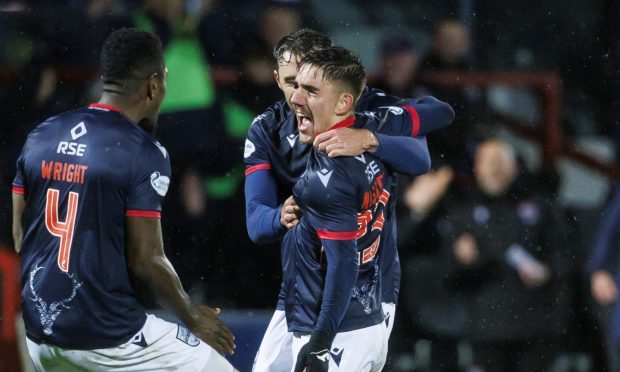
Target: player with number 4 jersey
<point x="73" y="201"/>
<point x="86" y="222"/>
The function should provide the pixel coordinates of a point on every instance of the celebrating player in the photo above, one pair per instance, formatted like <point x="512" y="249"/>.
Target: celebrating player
<point x="330" y="259"/>
<point x="89" y="188"/>
<point x="275" y="159"/>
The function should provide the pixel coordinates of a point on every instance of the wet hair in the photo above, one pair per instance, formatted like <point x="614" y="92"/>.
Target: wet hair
<point x="129" y="55"/>
<point x="338" y="64"/>
<point x="299" y="43"/>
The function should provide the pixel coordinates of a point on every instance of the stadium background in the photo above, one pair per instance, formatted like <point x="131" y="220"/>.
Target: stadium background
<point x="543" y="76"/>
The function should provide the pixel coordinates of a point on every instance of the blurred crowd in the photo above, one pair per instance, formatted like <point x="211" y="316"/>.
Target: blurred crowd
<point x="497" y="273"/>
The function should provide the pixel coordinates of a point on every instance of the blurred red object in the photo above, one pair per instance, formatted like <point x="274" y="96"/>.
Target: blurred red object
<point x="9" y="304"/>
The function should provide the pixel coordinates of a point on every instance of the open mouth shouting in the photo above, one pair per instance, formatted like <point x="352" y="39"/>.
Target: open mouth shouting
<point x="304" y="123"/>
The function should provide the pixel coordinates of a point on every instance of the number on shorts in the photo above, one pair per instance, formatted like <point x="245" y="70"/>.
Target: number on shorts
<point x="63" y="230"/>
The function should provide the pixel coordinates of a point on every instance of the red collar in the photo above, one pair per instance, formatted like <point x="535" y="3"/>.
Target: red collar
<point x="103" y="106"/>
<point x="342" y="124"/>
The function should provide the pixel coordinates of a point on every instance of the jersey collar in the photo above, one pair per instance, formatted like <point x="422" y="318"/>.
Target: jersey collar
<point x="104" y="106"/>
<point x="342" y="124"/>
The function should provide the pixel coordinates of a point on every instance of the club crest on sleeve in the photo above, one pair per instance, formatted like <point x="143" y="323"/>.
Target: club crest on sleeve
<point x="324" y="176"/>
<point x="184" y="335"/>
<point x="249" y="149"/>
<point x="393" y="109"/>
<point x="160" y="183"/>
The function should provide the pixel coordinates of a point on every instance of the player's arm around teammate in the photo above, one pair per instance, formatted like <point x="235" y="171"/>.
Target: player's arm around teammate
<point x="267" y="220"/>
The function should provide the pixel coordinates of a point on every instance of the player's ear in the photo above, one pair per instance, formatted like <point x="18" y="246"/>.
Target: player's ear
<point x="345" y="103"/>
<point x="276" y="76"/>
<point x="152" y="86"/>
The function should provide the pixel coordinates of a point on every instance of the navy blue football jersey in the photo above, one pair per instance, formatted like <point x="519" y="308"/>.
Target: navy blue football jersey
<point x="345" y="203"/>
<point x="272" y="143"/>
<point x="83" y="173"/>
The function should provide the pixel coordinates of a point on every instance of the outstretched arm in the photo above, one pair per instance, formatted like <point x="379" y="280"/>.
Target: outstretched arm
<point x="149" y="265"/>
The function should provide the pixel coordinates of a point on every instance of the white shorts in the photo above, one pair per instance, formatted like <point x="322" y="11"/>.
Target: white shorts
<point x="274" y="353"/>
<point x="360" y="350"/>
<point x="389" y="315"/>
<point x="158" y="346"/>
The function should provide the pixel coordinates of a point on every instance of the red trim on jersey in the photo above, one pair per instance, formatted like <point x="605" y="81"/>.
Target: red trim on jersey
<point x="415" y="120"/>
<point x="141" y="213"/>
<point x="104" y="106"/>
<point x="344" y="123"/>
<point x="335" y="235"/>
<point x="19" y="190"/>
<point x="257" y="167"/>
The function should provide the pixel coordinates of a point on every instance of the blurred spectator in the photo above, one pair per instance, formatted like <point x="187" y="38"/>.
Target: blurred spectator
<point x="451" y="47"/>
<point x="500" y="243"/>
<point x="189" y="83"/>
<point x="399" y="66"/>
<point x="603" y="270"/>
<point x="450" y="52"/>
<point x="277" y="21"/>
<point x="256" y="89"/>
<point x="434" y="306"/>
<point x="260" y="22"/>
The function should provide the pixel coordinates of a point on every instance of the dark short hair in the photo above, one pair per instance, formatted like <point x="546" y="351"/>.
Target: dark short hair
<point x="338" y="64"/>
<point x="299" y="43"/>
<point x="130" y="54"/>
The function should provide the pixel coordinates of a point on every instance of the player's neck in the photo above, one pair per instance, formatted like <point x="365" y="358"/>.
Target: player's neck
<point x="125" y="106"/>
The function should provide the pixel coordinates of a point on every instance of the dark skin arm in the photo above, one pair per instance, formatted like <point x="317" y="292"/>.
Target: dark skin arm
<point x="19" y="204"/>
<point x="148" y="264"/>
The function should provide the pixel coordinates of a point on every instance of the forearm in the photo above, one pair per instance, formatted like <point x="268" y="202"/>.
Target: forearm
<point x="263" y="223"/>
<point x="408" y="155"/>
<point x="432" y="114"/>
<point x="262" y="209"/>
<point x="17" y="228"/>
<point x="162" y="280"/>
<point x="18" y="235"/>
